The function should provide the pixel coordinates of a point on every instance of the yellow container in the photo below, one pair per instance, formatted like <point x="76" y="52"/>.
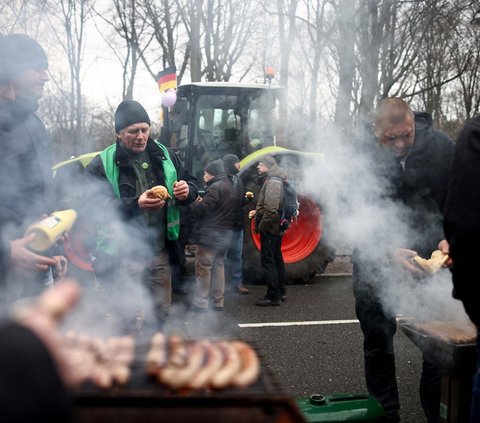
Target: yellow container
<point x="49" y="230"/>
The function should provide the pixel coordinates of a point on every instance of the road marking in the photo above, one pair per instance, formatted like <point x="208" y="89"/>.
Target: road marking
<point x="310" y="323"/>
<point x="306" y="323"/>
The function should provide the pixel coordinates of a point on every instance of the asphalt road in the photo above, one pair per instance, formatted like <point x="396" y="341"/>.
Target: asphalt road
<point x="316" y="346"/>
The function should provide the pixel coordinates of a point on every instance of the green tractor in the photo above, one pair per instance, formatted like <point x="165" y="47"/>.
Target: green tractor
<point x="210" y="120"/>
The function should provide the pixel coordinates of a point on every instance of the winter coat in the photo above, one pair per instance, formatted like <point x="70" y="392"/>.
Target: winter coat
<point x="267" y="216"/>
<point x="240" y="200"/>
<point x="106" y="207"/>
<point x="419" y="189"/>
<point x="462" y="218"/>
<point x="27" y="189"/>
<point x="215" y="213"/>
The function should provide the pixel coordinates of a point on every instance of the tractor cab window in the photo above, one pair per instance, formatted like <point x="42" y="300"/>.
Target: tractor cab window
<point x="219" y="129"/>
<point x="238" y="124"/>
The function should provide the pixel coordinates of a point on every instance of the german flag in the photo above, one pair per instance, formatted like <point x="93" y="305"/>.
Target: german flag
<point x="167" y="79"/>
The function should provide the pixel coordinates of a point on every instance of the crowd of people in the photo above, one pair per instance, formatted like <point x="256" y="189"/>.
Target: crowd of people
<point x="137" y="233"/>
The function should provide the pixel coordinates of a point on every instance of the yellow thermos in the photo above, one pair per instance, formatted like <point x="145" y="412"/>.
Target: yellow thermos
<point x="49" y="230"/>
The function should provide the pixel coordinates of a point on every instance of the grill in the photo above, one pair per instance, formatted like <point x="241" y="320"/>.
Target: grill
<point x="145" y="400"/>
<point x="457" y="362"/>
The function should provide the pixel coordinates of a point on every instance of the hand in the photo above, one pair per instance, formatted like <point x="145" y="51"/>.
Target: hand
<point x="21" y="256"/>
<point x="403" y="257"/>
<point x="444" y="247"/>
<point x="61" y="267"/>
<point x="147" y="202"/>
<point x="181" y="190"/>
<point x="251" y="214"/>
<point x="42" y="318"/>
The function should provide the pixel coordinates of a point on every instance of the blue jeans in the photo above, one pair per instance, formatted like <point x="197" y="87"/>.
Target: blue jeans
<point x="475" y="410"/>
<point x="233" y="257"/>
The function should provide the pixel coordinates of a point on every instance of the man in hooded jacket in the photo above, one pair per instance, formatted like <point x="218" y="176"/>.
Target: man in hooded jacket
<point x="215" y="214"/>
<point x="267" y="224"/>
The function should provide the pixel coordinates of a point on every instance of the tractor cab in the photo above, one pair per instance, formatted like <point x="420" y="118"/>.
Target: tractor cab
<point x="210" y="120"/>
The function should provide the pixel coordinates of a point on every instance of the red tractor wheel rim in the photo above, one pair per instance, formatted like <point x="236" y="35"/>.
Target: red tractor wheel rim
<point x="303" y="235"/>
<point x="75" y="250"/>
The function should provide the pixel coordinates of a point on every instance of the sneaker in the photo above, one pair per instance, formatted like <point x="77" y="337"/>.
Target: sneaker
<point x="265" y="302"/>
<point x="284" y="298"/>
<point x="217" y="308"/>
<point x="242" y="290"/>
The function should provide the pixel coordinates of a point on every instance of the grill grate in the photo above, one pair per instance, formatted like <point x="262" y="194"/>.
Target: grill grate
<point x="144" y="399"/>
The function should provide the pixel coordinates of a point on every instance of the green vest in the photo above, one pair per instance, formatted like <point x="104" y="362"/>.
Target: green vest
<point x="170" y="174"/>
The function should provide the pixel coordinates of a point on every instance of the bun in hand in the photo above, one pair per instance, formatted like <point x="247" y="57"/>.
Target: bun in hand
<point x="159" y="191"/>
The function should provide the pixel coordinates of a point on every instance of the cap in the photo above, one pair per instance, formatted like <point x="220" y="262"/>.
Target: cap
<point x="129" y="112"/>
<point x="215" y="168"/>
<point x="229" y="160"/>
<point x="20" y="53"/>
<point x="268" y="161"/>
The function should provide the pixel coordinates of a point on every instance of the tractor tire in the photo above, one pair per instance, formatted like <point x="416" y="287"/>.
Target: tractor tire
<point x="300" y="271"/>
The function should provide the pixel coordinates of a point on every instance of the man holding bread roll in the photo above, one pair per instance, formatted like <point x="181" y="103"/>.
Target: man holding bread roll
<point x="412" y="158"/>
<point x="138" y="185"/>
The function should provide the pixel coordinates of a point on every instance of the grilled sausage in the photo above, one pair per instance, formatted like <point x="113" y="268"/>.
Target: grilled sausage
<point x="231" y="365"/>
<point x="157" y="355"/>
<point x="178" y="377"/>
<point x="213" y="362"/>
<point x="250" y="368"/>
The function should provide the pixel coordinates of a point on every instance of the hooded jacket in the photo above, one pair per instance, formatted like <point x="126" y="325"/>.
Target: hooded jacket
<point x="215" y="213"/>
<point x="267" y="216"/>
<point x="420" y="188"/>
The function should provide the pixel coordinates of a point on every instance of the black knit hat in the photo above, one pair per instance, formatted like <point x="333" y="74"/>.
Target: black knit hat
<point x="268" y="161"/>
<point x="20" y="53"/>
<point x="215" y="168"/>
<point x="129" y="112"/>
<point x="229" y="160"/>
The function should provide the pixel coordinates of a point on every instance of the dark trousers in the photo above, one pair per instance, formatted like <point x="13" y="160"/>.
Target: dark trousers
<point x="378" y="329"/>
<point x="272" y="265"/>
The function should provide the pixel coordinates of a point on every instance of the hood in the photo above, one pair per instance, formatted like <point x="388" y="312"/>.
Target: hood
<point x="278" y="171"/>
<point x="423" y="129"/>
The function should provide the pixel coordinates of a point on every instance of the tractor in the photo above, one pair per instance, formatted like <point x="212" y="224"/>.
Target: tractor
<point x="212" y="119"/>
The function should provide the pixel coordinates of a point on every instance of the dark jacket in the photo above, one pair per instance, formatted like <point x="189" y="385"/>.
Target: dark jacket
<point x="419" y="189"/>
<point x="107" y="207"/>
<point x="462" y="218"/>
<point x="27" y="189"/>
<point x="267" y="216"/>
<point x="30" y="386"/>
<point x="215" y="213"/>
<point x="240" y="200"/>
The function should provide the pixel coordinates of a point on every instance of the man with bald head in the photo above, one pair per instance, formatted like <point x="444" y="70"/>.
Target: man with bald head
<point x="413" y="158"/>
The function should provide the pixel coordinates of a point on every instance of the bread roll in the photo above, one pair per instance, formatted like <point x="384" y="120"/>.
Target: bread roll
<point x="159" y="191"/>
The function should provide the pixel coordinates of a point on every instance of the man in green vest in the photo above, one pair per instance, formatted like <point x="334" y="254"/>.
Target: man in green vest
<point x="135" y="230"/>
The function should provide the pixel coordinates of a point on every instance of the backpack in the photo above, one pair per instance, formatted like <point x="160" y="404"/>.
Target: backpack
<point x="290" y="205"/>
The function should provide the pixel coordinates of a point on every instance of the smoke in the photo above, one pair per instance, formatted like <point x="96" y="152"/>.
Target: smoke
<point x="358" y="213"/>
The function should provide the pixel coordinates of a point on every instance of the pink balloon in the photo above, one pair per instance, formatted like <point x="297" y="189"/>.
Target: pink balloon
<point x="169" y="98"/>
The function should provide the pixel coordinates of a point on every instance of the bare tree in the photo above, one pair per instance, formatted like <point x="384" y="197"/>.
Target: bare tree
<point x="131" y="25"/>
<point x="72" y="16"/>
<point x="345" y="52"/>
<point x="316" y="32"/>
